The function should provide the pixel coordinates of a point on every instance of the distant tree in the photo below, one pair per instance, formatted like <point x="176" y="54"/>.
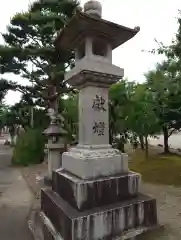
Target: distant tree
<point x="165" y="85"/>
<point x="120" y="102"/>
<point x="142" y="119"/>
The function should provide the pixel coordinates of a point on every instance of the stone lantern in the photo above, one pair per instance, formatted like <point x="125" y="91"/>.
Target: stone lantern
<point x="56" y="139"/>
<point x="95" y="195"/>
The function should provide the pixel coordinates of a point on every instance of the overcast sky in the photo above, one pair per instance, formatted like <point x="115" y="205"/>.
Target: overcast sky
<point x="156" y="18"/>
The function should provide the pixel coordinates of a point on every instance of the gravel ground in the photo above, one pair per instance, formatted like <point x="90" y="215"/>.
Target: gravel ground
<point x="169" y="211"/>
<point x="33" y="176"/>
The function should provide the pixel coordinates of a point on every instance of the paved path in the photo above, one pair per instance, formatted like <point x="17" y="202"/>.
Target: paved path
<point x="15" y="200"/>
<point x="5" y="156"/>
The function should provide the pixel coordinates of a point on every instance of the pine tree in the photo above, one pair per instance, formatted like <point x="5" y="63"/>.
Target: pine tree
<point x="30" y="41"/>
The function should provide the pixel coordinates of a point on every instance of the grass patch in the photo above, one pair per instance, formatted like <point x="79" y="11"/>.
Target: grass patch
<point x="158" y="168"/>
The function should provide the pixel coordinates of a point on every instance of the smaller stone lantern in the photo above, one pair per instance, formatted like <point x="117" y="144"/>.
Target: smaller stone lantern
<point x="56" y="136"/>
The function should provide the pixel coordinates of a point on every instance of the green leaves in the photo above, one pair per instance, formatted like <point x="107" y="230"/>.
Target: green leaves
<point x="142" y="118"/>
<point x="132" y="111"/>
<point x="119" y="107"/>
<point x="165" y="85"/>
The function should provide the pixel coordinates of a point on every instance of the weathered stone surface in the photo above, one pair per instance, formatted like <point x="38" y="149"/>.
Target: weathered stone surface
<point x="86" y="194"/>
<point x="93" y="163"/>
<point x="89" y="114"/>
<point x="47" y="234"/>
<point x="54" y="161"/>
<point x="105" y="222"/>
<point x="92" y="69"/>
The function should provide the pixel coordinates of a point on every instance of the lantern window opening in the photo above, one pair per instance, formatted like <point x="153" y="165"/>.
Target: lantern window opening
<point x="99" y="47"/>
<point x="80" y="52"/>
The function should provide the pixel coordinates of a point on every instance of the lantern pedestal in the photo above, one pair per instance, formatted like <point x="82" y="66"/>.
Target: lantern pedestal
<point x="54" y="159"/>
<point x="93" y="163"/>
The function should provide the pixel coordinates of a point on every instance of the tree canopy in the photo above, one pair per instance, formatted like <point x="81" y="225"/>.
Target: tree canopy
<point x="29" y="42"/>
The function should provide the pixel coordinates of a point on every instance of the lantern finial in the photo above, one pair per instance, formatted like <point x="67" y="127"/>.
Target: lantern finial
<point x="93" y="8"/>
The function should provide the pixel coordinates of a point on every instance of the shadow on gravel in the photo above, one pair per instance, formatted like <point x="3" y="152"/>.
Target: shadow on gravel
<point x="162" y="233"/>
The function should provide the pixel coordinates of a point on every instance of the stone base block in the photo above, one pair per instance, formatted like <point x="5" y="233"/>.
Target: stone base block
<point x="107" y="222"/>
<point x="50" y="233"/>
<point x="87" y="163"/>
<point x="47" y="181"/>
<point x="86" y="194"/>
<point x="35" y="223"/>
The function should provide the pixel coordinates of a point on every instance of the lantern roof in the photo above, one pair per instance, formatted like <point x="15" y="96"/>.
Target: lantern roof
<point x="54" y="130"/>
<point x="83" y="24"/>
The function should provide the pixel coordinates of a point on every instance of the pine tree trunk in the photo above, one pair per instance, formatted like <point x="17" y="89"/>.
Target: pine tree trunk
<point x="54" y="103"/>
<point x="165" y="135"/>
<point x="146" y="147"/>
<point x="110" y="137"/>
<point x="141" y="139"/>
<point x="52" y="90"/>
